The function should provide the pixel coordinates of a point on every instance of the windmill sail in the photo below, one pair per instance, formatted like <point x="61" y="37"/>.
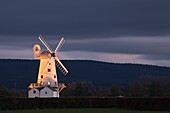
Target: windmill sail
<point x="61" y="66"/>
<point x="59" y="45"/>
<point x="53" y="55"/>
<point x="45" y="43"/>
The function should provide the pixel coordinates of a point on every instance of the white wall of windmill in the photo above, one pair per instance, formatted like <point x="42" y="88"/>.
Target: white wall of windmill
<point x="33" y="93"/>
<point x="47" y="76"/>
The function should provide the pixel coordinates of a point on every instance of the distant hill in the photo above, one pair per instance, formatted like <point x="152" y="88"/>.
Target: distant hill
<point x="24" y="72"/>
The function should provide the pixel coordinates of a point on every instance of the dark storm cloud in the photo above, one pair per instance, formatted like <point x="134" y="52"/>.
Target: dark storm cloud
<point x="144" y="46"/>
<point x="137" y="28"/>
<point x="149" y="47"/>
<point x="52" y="17"/>
<point x="89" y="18"/>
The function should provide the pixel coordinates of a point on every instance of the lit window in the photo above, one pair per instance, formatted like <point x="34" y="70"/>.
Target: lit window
<point x="48" y="83"/>
<point x="49" y="70"/>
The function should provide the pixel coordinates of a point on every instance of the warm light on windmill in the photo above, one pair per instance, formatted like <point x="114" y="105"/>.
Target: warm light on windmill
<point x="47" y="82"/>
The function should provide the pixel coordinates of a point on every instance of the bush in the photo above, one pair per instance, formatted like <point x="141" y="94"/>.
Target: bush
<point x="85" y="102"/>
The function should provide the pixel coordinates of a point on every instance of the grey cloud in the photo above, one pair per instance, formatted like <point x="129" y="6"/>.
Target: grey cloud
<point x="98" y="18"/>
<point x="150" y="47"/>
<point x="25" y="42"/>
<point x="56" y="16"/>
<point x="158" y="57"/>
<point x="154" y="50"/>
<point x="145" y="46"/>
<point x="139" y="27"/>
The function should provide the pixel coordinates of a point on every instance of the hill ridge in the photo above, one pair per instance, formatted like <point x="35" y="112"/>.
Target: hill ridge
<point x="102" y="74"/>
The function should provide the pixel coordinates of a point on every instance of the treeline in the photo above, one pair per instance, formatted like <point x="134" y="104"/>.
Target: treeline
<point x="145" y="86"/>
<point x="12" y="92"/>
<point x="147" y="93"/>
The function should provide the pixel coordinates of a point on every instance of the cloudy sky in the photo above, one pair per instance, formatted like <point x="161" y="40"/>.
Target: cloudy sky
<point x="121" y="31"/>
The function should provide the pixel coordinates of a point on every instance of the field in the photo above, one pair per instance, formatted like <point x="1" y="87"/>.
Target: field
<point x="99" y="110"/>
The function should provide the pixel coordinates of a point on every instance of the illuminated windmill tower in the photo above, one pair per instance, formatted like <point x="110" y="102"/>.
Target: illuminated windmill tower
<point x="47" y="83"/>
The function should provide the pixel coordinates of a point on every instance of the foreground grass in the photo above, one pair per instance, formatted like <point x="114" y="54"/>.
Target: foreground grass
<point x="86" y="110"/>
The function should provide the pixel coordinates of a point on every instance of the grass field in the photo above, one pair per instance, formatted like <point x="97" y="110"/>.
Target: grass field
<point x="99" y="110"/>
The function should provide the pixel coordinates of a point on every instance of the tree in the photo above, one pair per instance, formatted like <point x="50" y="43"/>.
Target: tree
<point x="82" y="89"/>
<point x="115" y="90"/>
<point x="137" y="90"/>
<point x="156" y="88"/>
<point x="4" y="92"/>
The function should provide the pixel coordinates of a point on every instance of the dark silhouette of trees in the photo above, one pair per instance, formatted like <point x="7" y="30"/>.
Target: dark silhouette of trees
<point x="81" y="89"/>
<point x="150" y="86"/>
<point x="137" y="90"/>
<point x="156" y="88"/>
<point x="4" y="91"/>
<point x="116" y="90"/>
<point x="145" y="86"/>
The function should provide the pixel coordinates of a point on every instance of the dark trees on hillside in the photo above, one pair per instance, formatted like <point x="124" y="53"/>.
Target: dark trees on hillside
<point x="156" y="88"/>
<point x="115" y="90"/>
<point x="4" y="92"/>
<point x="81" y="89"/>
<point x="78" y="89"/>
<point x="145" y="86"/>
<point x="84" y="89"/>
<point x="150" y="86"/>
<point x="137" y="90"/>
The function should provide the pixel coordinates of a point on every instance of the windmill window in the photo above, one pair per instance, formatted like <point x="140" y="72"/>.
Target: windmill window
<point x="41" y="76"/>
<point x="49" y="70"/>
<point x="34" y="91"/>
<point x="54" y="76"/>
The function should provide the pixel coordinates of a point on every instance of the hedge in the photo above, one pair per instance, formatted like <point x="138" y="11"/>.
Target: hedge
<point x="86" y="102"/>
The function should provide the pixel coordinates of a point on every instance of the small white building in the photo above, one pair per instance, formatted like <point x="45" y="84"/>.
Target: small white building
<point x="33" y="93"/>
<point x="48" y="92"/>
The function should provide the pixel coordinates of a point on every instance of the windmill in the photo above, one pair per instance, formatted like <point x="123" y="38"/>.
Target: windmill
<point x="47" y="83"/>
